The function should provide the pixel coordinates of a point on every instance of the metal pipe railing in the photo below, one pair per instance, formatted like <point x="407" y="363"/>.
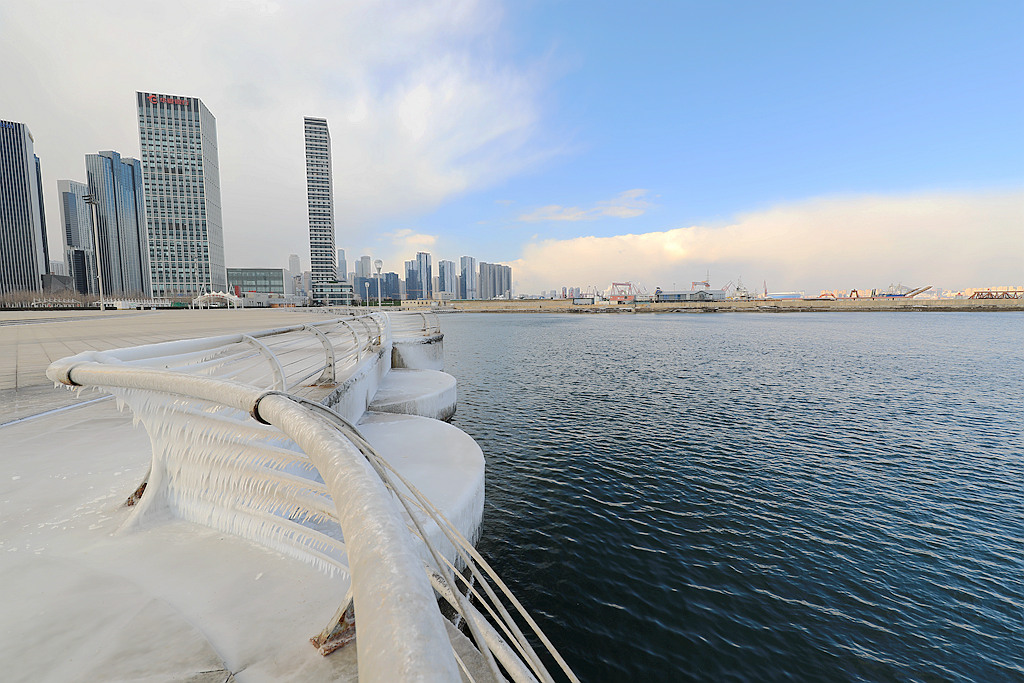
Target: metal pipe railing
<point x="401" y="633"/>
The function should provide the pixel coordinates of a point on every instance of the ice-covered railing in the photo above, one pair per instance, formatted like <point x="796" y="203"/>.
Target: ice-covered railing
<point x="409" y="324"/>
<point x="295" y="359"/>
<point x="233" y="450"/>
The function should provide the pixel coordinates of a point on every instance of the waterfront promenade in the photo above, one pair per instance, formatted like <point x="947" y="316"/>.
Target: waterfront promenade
<point x="263" y="512"/>
<point x="31" y="340"/>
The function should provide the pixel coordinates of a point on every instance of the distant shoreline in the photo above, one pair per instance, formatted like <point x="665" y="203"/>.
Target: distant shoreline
<point x="728" y="306"/>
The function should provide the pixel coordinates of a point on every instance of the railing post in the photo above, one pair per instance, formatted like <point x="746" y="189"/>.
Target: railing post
<point x="275" y="365"/>
<point x="329" y="371"/>
<point x="355" y="336"/>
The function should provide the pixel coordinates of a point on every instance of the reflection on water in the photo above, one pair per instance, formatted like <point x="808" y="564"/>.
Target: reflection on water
<point x="756" y="497"/>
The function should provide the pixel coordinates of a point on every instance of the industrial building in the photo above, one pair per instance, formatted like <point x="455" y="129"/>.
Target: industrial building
<point x="691" y="295"/>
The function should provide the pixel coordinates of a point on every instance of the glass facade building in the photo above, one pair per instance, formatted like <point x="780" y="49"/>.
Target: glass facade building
<point x="24" y="257"/>
<point x="123" y="252"/>
<point x="447" y="278"/>
<point x="264" y="280"/>
<point x="320" y="201"/>
<point x="76" y="221"/>
<point x="468" y="278"/>
<point x="181" y="183"/>
<point x="418" y="277"/>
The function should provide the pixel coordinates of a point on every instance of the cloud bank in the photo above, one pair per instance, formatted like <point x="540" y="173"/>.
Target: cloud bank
<point x="422" y="100"/>
<point x="628" y="204"/>
<point x="948" y="240"/>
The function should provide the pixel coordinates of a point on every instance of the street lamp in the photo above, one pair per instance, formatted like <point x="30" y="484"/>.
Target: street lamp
<point x="378" y="264"/>
<point x="366" y="299"/>
<point x="93" y="201"/>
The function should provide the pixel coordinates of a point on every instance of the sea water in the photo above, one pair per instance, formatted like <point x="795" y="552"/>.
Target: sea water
<point x="756" y="496"/>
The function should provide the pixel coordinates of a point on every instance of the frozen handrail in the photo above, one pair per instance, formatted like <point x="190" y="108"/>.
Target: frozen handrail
<point x="297" y="358"/>
<point x="213" y="464"/>
<point x="413" y="324"/>
<point x="190" y="417"/>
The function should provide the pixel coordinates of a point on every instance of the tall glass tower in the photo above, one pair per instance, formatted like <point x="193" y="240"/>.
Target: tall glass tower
<point x="76" y="219"/>
<point x="181" y="178"/>
<point x="24" y="257"/>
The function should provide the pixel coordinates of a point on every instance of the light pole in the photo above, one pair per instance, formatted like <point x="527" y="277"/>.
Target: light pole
<point x="378" y="264"/>
<point x="93" y="202"/>
<point x="366" y="299"/>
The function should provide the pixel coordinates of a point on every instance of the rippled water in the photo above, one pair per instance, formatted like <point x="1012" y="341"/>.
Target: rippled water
<point x="756" y="497"/>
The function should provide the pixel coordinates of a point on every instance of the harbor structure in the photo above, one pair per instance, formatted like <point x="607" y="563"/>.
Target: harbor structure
<point x="76" y="219"/>
<point x="181" y="185"/>
<point x="115" y="185"/>
<point x="24" y="255"/>
<point x="705" y="294"/>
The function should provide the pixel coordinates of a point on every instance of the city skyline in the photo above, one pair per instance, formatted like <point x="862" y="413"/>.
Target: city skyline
<point x="812" y="147"/>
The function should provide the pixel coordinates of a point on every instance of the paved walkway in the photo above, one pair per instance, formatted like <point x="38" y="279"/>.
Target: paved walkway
<point x="31" y="340"/>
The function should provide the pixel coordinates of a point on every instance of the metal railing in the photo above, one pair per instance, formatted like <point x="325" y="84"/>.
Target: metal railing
<point x="296" y="359"/>
<point x="414" y="324"/>
<point x="236" y="446"/>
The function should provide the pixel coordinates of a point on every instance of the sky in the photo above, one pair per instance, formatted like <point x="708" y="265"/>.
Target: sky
<point x="798" y="146"/>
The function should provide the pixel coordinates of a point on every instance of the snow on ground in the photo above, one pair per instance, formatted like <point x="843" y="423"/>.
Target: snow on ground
<point x="417" y="392"/>
<point x="82" y="602"/>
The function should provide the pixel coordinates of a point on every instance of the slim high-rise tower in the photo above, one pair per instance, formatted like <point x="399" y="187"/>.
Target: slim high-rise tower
<point x="24" y="258"/>
<point x="320" y="196"/>
<point x="181" y="180"/>
<point x="468" y="278"/>
<point x="116" y="184"/>
<point x="76" y="219"/>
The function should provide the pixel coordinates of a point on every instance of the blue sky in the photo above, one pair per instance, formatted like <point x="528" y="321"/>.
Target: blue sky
<point x="723" y="108"/>
<point x="812" y="145"/>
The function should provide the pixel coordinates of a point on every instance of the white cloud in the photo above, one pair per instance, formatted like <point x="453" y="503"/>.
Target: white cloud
<point x="952" y="240"/>
<point x="421" y="102"/>
<point x="404" y="245"/>
<point x="628" y="204"/>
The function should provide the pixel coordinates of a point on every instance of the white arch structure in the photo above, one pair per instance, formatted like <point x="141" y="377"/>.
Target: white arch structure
<point x="225" y="298"/>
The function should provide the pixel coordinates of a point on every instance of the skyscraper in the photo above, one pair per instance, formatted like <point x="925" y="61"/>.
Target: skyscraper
<point x="468" y="278"/>
<point x="76" y="221"/>
<point x="294" y="272"/>
<point x="426" y="285"/>
<point x="363" y="267"/>
<point x="320" y="197"/>
<point x="24" y="257"/>
<point x="123" y="252"/>
<point x="181" y="182"/>
<point x="412" y="281"/>
<point x="342" y="265"/>
<point x="446" y="278"/>
<point x="495" y="280"/>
